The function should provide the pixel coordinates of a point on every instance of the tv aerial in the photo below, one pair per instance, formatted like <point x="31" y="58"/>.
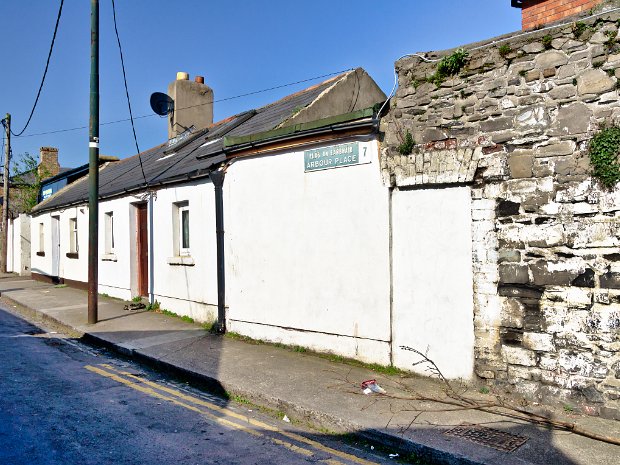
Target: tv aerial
<point x="162" y="104"/>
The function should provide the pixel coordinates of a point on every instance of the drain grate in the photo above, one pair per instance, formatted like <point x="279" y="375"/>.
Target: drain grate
<point x="496" y="439"/>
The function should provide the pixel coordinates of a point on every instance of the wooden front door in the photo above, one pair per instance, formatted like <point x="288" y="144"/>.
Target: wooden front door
<point x="143" y="249"/>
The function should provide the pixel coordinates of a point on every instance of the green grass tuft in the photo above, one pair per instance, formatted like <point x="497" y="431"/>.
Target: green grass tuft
<point x="377" y="368"/>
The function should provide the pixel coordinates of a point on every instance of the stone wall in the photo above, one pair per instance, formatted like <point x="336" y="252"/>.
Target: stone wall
<point x="515" y="125"/>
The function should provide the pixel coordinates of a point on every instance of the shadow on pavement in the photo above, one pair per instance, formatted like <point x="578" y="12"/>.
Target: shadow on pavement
<point x="197" y="357"/>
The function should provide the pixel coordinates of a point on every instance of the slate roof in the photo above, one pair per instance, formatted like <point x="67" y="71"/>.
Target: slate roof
<point x="28" y="177"/>
<point x="193" y="159"/>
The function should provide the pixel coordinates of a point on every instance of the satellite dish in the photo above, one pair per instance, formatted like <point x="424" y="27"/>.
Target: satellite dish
<point x="161" y="103"/>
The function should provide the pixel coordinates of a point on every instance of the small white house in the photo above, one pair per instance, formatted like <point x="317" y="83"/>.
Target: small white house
<point x="277" y="224"/>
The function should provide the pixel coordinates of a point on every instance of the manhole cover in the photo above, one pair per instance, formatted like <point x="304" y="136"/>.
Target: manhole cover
<point x="496" y="439"/>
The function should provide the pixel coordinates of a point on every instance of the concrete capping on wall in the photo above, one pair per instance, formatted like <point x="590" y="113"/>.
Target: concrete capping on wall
<point x="546" y="236"/>
<point x="448" y="166"/>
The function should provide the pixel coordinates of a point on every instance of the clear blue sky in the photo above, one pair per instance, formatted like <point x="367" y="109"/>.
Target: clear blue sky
<point x="238" y="45"/>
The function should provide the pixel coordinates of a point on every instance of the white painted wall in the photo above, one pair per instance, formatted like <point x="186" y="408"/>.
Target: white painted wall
<point x="184" y="289"/>
<point x="13" y="246"/>
<point x="41" y="264"/>
<point x="74" y="268"/>
<point x="432" y="267"/>
<point x="69" y="268"/>
<point x="307" y="258"/>
<point x="114" y="268"/>
<point x="308" y="254"/>
<point x="18" y="247"/>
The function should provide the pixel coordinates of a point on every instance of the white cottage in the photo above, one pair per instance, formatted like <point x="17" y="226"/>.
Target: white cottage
<point x="305" y="257"/>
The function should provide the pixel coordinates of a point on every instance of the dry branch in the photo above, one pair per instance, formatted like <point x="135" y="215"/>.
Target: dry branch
<point x="458" y="401"/>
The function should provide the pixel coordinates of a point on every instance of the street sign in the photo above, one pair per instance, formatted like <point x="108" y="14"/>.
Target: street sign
<point x="335" y="156"/>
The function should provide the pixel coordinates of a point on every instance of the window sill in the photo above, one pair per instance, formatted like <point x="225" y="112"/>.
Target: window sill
<point x="109" y="257"/>
<point x="182" y="261"/>
<point x="72" y="255"/>
<point x="40" y="254"/>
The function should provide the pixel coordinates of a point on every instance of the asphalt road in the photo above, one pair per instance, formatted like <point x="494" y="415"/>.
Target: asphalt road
<point x="62" y="402"/>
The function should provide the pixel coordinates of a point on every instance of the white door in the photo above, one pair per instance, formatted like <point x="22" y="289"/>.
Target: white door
<point x="56" y="246"/>
<point x="433" y="280"/>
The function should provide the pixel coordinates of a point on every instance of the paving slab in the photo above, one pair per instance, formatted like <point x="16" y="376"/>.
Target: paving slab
<point x="415" y="414"/>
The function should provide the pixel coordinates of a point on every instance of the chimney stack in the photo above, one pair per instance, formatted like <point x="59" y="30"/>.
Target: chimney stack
<point x="193" y="104"/>
<point x="48" y="165"/>
<point x="541" y="12"/>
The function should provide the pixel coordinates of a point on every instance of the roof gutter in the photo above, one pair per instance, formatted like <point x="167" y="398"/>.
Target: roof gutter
<point x="322" y="126"/>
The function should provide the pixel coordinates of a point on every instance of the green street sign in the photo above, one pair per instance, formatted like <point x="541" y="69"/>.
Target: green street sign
<point x="334" y="156"/>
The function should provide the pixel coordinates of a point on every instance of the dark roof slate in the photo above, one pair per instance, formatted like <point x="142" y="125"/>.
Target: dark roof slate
<point x="29" y="177"/>
<point x="161" y="166"/>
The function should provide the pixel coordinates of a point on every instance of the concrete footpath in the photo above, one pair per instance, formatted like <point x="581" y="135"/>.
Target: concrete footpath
<point x="415" y="414"/>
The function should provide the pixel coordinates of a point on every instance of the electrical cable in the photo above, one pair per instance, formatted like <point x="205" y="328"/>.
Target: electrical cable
<point x="49" y="56"/>
<point x="185" y="108"/>
<point x="133" y="127"/>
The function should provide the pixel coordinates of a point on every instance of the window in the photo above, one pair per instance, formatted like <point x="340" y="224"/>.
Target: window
<point x="41" y="252"/>
<point x="73" y="236"/>
<point x="184" y="230"/>
<point x="109" y="232"/>
<point x="180" y="229"/>
<point x="180" y="233"/>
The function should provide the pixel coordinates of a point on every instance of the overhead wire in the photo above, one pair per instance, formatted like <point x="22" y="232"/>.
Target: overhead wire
<point x="47" y="63"/>
<point x="56" y="131"/>
<point x="133" y="127"/>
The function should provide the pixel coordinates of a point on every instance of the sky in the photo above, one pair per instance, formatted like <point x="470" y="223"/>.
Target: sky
<point x="239" y="46"/>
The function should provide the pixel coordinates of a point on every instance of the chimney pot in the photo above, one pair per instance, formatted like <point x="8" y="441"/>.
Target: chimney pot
<point x="181" y="76"/>
<point x="199" y="79"/>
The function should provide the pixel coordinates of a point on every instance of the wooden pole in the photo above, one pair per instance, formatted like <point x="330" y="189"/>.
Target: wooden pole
<point x="93" y="167"/>
<point x="5" y="203"/>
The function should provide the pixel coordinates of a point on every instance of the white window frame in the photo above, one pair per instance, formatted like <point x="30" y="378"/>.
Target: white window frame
<point x="41" y="237"/>
<point x="109" y="232"/>
<point x="184" y="249"/>
<point x="73" y="235"/>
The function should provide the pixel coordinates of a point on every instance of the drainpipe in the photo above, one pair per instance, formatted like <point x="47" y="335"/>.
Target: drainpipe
<point x="391" y="266"/>
<point x="151" y="250"/>
<point x="217" y="177"/>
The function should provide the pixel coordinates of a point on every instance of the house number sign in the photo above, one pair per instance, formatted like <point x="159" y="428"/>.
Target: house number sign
<point x="335" y="156"/>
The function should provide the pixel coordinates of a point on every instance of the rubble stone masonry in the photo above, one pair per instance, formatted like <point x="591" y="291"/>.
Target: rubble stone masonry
<point x="515" y="125"/>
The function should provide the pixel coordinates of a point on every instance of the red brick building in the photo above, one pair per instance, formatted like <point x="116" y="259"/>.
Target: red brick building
<point x="540" y="12"/>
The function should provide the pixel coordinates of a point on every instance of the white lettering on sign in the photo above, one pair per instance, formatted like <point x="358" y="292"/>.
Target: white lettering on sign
<point x="334" y="156"/>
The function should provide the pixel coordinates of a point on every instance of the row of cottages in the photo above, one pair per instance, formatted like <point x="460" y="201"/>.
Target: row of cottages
<point x="29" y="187"/>
<point x="308" y="249"/>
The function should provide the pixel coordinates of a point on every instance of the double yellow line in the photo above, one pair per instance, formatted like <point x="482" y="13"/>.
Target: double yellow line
<point x="225" y="416"/>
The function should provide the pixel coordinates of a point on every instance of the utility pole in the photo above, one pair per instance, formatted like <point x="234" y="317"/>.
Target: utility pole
<point x="5" y="203"/>
<point x="93" y="166"/>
